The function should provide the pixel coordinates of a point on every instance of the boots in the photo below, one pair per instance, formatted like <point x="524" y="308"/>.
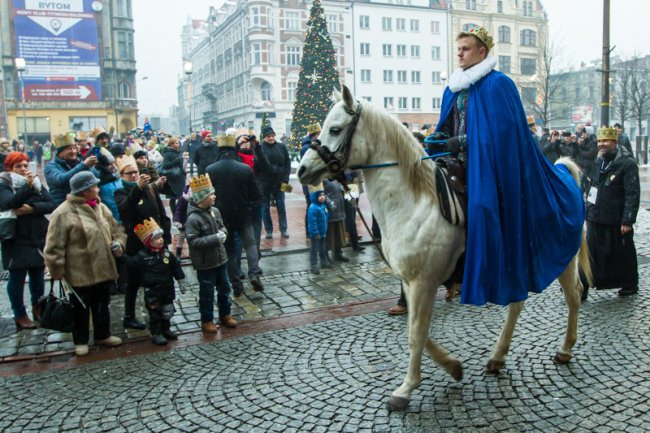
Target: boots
<point x="167" y="332"/>
<point x="338" y="256"/>
<point x="25" y="323"/>
<point x="36" y="312"/>
<point x="325" y="262"/>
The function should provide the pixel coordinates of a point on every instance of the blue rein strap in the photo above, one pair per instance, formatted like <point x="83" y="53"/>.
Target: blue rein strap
<point x="391" y="164"/>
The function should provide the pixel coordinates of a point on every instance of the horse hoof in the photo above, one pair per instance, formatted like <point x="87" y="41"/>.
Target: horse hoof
<point x="397" y="403"/>
<point x="494" y="366"/>
<point x="456" y="371"/>
<point x="562" y="358"/>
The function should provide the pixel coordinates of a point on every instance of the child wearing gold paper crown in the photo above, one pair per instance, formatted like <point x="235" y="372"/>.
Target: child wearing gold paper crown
<point x="158" y="268"/>
<point x="206" y="235"/>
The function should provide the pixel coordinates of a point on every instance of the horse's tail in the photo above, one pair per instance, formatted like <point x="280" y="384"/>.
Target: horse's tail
<point x="583" y="253"/>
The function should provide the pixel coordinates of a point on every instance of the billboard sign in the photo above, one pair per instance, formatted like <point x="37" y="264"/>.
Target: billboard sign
<point x="582" y="113"/>
<point x="58" y="40"/>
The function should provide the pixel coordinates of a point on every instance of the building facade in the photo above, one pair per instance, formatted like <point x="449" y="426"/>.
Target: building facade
<point x="58" y="92"/>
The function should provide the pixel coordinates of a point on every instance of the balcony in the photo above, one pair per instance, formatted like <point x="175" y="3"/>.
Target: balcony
<point x="209" y="90"/>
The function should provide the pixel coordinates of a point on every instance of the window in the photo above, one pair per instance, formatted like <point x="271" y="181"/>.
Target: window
<point x="124" y="91"/>
<point x="364" y="22"/>
<point x="528" y="66"/>
<point x="365" y="49"/>
<point x="332" y="23"/>
<point x="291" y="91"/>
<point x="387" y="50"/>
<point x="265" y="89"/>
<point x="415" y="103"/>
<point x="365" y="76"/>
<point x="256" y="54"/>
<point x="387" y="24"/>
<point x="435" y="27"/>
<point x="415" y="51"/>
<point x="504" y="64"/>
<point x="77" y="123"/>
<point x="504" y="34"/>
<point x="400" y="24"/>
<point x="415" y="26"/>
<point x="401" y="77"/>
<point x="401" y="50"/>
<point x="292" y="21"/>
<point x="402" y="103"/>
<point x="499" y="7"/>
<point x="470" y="5"/>
<point x="529" y="95"/>
<point x="293" y="56"/>
<point x="527" y="7"/>
<point x="469" y="26"/>
<point x="436" y="103"/>
<point x="388" y="76"/>
<point x="415" y="77"/>
<point x="435" y="77"/>
<point x="367" y="98"/>
<point x="389" y="103"/>
<point x="121" y="45"/>
<point x="577" y="92"/>
<point x="255" y="16"/>
<point x="435" y="53"/>
<point x="528" y="38"/>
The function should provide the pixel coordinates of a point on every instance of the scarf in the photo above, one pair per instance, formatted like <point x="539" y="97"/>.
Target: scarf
<point x="464" y="78"/>
<point x="92" y="203"/>
<point x="18" y="180"/>
<point x="247" y="158"/>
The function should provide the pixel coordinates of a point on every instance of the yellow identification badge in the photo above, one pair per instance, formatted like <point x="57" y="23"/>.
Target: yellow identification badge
<point x="141" y="202"/>
<point x="612" y="177"/>
<point x="166" y="261"/>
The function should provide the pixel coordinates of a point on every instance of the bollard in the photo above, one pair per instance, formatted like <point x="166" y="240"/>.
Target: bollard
<point x="638" y="149"/>
<point x="645" y="150"/>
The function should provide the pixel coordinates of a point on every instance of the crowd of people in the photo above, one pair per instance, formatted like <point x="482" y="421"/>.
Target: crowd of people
<point x="110" y="233"/>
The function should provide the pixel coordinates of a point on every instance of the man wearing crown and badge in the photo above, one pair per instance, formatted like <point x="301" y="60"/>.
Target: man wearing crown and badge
<point x="525" y="216"/>
<point x="158" y="268"/>
<point x="612" y="205"/>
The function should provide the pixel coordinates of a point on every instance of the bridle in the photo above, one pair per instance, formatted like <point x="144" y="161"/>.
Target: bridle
<point x="337" y="162"/>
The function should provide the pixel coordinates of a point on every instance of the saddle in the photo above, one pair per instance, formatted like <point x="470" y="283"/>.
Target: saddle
<point x="451" y="185"/>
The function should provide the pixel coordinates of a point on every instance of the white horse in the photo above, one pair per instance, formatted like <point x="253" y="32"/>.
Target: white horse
<point x="420" y="245"/>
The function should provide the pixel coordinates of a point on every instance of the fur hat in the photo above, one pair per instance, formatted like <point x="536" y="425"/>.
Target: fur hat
<point x="224" y="140"/>
<point x="148" y="230"/>
<point x="125" y="161"/>
<point x="62" y="141"/>
<point x="200" y="188"/>
<point x="82" y="181"/>
<point x="3" y="140"/>
<point x="266" y="131"/>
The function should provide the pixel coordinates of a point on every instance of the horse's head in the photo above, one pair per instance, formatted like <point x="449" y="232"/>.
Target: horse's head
<point x="340" y="137"/>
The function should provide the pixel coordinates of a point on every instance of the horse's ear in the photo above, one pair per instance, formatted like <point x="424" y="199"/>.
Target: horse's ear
<point x="336" y="96"/>
<point x="347" y="97"/>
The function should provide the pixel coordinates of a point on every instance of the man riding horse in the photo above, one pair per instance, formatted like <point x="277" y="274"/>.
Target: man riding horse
<point x="525" y="216"/>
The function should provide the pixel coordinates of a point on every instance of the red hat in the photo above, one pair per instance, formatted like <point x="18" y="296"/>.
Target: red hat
<point x="14" y="158"/>
<point x="205" y="133"/>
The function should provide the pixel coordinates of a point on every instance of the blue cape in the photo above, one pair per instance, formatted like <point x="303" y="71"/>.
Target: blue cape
<point x="525" y="215"/>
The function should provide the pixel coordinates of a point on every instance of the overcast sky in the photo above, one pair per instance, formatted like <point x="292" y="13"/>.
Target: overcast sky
<point x="576" y="25"/>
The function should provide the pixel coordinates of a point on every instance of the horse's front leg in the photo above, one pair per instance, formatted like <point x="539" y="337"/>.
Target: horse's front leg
<point x="572" y="289"/>
<point x="498" y="358"/>
<point x="420" y="305"/>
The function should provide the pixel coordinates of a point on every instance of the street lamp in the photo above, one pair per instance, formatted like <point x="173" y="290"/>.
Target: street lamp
<point x="187" y="68"/>
<point x="21" y="65"/>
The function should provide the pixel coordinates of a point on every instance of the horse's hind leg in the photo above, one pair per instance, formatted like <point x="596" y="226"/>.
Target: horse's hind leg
<point x="420" y="302"/>
<point x="498" y="358"/>
<point x="572" y="289"/>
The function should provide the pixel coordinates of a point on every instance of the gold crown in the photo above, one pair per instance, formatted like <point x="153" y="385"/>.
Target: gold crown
<point x="608" y="133"/>
<point x="313" y="128"/>
<point x="97" y="131"/>
<point x="200" y="183"/>
<point x="226" y="140"/>
<point x="482" y="35"/>
<point x="315" y="188"/>
<point x="148" y="229"/>
<point x="63" y="140"/>
<point x="531" y="120"/>
<point x="124" y="161"/>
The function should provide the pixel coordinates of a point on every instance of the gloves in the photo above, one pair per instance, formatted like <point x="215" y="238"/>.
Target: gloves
<point x="455" y="145"/>
<point x="221" y="236"/>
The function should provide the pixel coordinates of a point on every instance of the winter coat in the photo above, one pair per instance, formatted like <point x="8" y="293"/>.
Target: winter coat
<point x="148" y="169"/>
<point x="235" y="188"/>
<point x="316" y="217"/>
<point x="172" y="168"/>
<point x="158" y="270"/>
<point x="334" y="191"/>
<point x="58" y="174"/>
<point x="204" y="155"/>
<point x="279" y="167"/>
<point x="624" y="140"/>
<point x="107" y="194"/>
<point x="180" y="213"/>
<point x="306" y="145"/>
<point x="619" y="191"/>
<point x="201" y="227"/>
<point x="137" y="205"/>
<point x="552" y="150"/>
<point x="260" y="166"/>
<point x="78" y="243"/>
<point x="587" y="152"/>
<point x="26" y="248"/>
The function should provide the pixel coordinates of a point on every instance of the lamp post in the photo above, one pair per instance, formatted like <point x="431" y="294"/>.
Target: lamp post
<point x="20" y="67"/>
<point x="187" y="68"/>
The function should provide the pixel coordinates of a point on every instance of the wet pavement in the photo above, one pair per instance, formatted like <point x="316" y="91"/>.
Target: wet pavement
<point x="319" y="354"/>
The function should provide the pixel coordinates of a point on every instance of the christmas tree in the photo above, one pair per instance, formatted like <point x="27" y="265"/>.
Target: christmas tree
<point x="265" y="122"/>
<point x="318" y="77"/>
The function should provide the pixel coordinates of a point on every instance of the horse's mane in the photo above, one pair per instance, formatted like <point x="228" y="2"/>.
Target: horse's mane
<point x="418" y="173"/>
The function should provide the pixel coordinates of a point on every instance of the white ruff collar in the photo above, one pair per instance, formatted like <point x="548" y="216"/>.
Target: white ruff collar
<point x="462" y="79"/>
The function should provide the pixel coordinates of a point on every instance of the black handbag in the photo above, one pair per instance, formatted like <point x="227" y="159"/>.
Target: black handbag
<point x="7" y="225"/>
<point x="56" y="313"/>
